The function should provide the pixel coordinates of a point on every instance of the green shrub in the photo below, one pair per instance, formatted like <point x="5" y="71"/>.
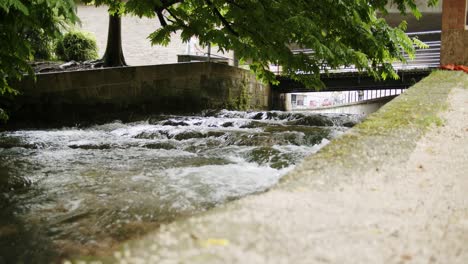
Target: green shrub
<point x="3" y="116"/>
<point x="78" y="46"/>
<point x="41" y="44"/>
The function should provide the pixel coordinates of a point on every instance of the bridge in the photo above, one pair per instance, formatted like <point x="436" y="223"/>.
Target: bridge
<point x="348" y="78"/>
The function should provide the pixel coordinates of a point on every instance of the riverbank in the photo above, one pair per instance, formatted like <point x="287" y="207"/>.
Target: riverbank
<point x="392" y="190"/>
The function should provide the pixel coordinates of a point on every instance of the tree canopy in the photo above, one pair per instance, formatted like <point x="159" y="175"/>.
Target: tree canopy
<point x="18" y="18"/>
<point x="339" y="32"/>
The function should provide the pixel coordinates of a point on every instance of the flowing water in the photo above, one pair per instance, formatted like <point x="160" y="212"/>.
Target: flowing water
<point x="84" y="190"/>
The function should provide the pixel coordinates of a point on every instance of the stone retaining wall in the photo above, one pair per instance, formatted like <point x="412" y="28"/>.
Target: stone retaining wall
<point x="127" y="92"/>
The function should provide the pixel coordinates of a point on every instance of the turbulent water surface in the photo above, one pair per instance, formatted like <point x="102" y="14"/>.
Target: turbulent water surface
<point x="83" y="190"/>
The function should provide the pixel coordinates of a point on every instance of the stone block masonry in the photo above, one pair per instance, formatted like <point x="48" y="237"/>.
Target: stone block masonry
<point x="129" y="93"/>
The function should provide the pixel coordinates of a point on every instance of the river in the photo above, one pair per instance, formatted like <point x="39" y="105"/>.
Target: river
<point x="84" y="190"/>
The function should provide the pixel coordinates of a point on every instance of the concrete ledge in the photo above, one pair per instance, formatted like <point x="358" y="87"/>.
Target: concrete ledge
<point x="323" y="211"/>
<point x="389" y="135"/>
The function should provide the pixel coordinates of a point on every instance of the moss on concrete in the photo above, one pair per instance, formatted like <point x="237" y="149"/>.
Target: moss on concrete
<point x="390" y="132"/>
<point x="239" y="97"/>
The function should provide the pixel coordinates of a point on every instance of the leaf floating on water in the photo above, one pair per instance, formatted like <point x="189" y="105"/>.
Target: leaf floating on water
<point x="215" y="242"/>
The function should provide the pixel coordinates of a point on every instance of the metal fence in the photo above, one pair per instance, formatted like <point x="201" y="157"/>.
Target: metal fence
<point x="424" y="58"/>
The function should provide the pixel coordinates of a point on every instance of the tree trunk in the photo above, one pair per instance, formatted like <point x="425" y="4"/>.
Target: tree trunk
<point x="113" y="57"/>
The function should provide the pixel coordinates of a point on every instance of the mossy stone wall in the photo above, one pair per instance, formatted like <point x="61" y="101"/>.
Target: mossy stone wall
<point x="129" y="92"/>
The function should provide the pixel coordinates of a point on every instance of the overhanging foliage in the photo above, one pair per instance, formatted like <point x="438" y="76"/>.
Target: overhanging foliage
<point x="340" y="32"/>
<point x="17" y="19"/>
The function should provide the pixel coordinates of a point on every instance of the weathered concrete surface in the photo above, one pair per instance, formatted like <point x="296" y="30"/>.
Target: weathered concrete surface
<point x="392" y="190"/>
<point x="127" y="91"/>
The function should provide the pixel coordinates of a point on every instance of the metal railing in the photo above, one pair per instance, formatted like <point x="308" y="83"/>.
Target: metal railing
<point x="424" y="58"/>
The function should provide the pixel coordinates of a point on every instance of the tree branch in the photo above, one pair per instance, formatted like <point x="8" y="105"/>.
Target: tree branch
<point x="167" y="3"/>
<point x="180" y="21"/>
<point x="161" y="18"/>
<point x="222" y="18"/>
<point x="158" y="9"/>
<point x="235" y="4"/>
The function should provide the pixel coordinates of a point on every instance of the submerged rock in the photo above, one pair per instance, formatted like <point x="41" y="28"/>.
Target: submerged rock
<point x="90" y="146"/>
<point x="14" y="142"/>
<point x="159" y="145"/>
<point x="160" y="134"/>
<point x="310" y="135"/>
<point x="188" y="135"/>
<point x="9" y="181"/>
<point x="174" y="123"/>
<point x="313" y="120"/>
<point x="269" y="156"/>
<point x="254" y="124"/>
<point x="228" y="124"/>
<point x="258" y="116"/>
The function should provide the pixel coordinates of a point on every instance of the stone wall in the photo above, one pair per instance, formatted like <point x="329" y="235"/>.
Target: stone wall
<point x="128" y="92"/>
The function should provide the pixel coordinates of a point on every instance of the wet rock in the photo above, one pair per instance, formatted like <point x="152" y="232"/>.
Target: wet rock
<point x="254" y="124"/>
<point x="189" y="135"/>
<point x="228" y="124"/>
<point x="174" y="123"/>
<point x="269" y="156"/>
<point x="159" y="145"/>
<point x="258" y="116"/>
<point x="10" y="181"/>
<point x="210" y="113"/>
<point x="262" y="139"/>
<point x="154" y="120"/>
<point x="349" y="124"/>
<point x="313" y="120"/>
<point x="90" y="146"/>
<point x="13" y="142"/>
<point x="153" y="135"/>
<point x="271" y="115"/>
<point x="278" y="115"/>
<point x="215" y="134"/>
<point x="262" y="155"/>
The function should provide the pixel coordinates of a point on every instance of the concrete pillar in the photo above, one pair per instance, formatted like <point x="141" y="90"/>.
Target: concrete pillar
<point x="454" y="48"/>
<point x="288" y="103"/>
